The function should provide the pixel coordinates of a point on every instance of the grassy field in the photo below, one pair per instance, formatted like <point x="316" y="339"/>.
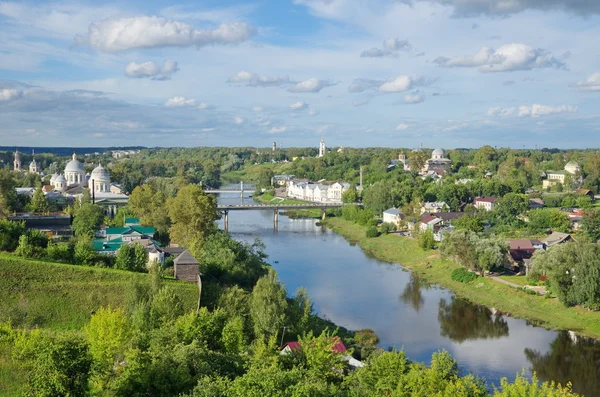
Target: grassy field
<point x="520" y="280"/>
<point x="429" y="266"/>
<point x="63" y="297"/>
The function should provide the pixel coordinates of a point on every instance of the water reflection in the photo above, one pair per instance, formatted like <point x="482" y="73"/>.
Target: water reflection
<point x="412" y="294"/>
<point x="570" y="359"/>
<point x="461" y="320"/>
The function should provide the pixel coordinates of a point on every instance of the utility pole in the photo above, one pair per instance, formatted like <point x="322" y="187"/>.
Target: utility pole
<point x="282" y="335"/>
<point x="199" y="293"/>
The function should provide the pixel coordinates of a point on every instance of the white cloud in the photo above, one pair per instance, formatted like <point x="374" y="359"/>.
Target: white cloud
<point x="414" y="97"/>
<point x="391" y="48"/>
<point x="8" y="94"/>
<point x="238" y="120"/>
<point x="180" y="102"/>
<point x="299" y="105"/>
<point x="361" y="85"/>
<point x="310" y="85"/>
<point x="122" y="34"/>
<point x="509" y="57"/>
<point x="534" y="110"/>
<point x="397" y="84"/>
<point x="151" y="70"/>
<point x="255" y="80"/>
<point x="313" y="112"/>
<point x="592" y="83"/>
<point x="360" y="103"/>
<point x="401" y="127"/>
<point x="203" y="106"/>
<point x="277" y="130"/>
<point x="541" y="110"/>
<point x="257" y="109"/>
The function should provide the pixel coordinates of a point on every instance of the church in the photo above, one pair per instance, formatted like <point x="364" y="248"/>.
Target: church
<point x="73" y="181"/>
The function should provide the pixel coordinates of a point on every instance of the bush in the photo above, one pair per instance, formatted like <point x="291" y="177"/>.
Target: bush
<point x="387" y="227"/>
<point x="372" y="232"/>
<point x="426" y="240"/>
<point x="463" y="276"/>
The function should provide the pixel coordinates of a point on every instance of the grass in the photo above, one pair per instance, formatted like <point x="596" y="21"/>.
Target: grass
<point x="63" y="297"/>
<point x="12" y="375"/>
<point x="430" y="266"/>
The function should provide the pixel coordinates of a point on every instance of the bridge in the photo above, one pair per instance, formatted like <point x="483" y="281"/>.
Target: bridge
<point x="276" y="208"/>
<point x="227" y="191"/>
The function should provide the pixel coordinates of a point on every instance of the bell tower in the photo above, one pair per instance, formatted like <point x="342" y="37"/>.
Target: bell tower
<point x="17" y="162"/>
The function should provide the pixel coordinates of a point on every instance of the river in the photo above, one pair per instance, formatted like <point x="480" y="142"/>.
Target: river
<point x="357" y="291"/>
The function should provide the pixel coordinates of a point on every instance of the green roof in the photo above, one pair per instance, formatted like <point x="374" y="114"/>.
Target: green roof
<point x="148" y="230"/>
<point x="102" y="246"/>
<point x="132" y="221"/>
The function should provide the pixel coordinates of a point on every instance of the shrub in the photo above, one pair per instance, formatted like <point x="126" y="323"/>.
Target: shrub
<point x="426" y="240"/>
<point x="372" y="232"/>
<point x="463" y="276"/>
<point x="387" y="227"/>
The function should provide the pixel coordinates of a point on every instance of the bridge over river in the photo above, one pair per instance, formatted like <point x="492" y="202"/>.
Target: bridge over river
<point x="276" y="208"/>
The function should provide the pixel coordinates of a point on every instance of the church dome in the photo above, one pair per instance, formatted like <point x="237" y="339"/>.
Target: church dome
<point x="53" y="178"/>
<point x="439" y="153"/>
<point x="74" y="165"/>
<point x="60" y="179"/>
<point x="100" y="174"/>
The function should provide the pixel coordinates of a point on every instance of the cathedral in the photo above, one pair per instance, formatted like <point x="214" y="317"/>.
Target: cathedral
<point x="75" y="176"/>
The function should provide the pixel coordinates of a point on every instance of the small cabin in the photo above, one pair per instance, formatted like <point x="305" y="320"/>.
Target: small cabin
<point x="187" y="268"/>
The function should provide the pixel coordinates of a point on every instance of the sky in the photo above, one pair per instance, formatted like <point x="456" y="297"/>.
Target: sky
<point x="359" y="73"/>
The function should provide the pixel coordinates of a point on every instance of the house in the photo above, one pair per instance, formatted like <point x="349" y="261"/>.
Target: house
<point x="485" y="203"/>
<point x="187" y="268"/>
<point x="438" y="232"/>
<point x="584" y="192"/>
<point x="556" y="238"/>
<point x="429" y="221"/>
<point x="116" y="188"/>
<point x="535" y="203"/>
<point x="463" y="181"/>
<point x="555" y="177"/>
<point x="521" y="252"/>
<point x="55" y="225"/>
<point x="111" y="239"/>
<point x="434" y="207"/>
<point x="316" y="192"/>
<point x="338" y="347"/>
<point x="281" y="180"/>
<point x="393" y="215"/>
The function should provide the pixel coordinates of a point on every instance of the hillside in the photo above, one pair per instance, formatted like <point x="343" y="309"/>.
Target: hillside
<point x="63" y="297"/>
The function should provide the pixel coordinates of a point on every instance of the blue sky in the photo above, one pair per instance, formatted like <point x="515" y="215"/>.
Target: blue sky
<point x="450" y="73"/>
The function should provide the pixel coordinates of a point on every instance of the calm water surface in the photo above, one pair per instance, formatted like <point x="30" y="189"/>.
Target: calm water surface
<point x="357" y="291"/>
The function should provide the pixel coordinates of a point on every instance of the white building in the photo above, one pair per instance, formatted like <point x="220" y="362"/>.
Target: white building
<point x="317" y="192"/>
<point x="434" y="207"/>
<point x="75" y="173"/>
<point x="485" y="203"/>
<point x="322" y="148"/>
<point x="394" y="216"/>
<point x="17" y="162"/>
<point x="100" y="180"/>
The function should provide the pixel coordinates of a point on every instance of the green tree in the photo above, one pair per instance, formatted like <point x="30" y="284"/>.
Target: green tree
<point x="39" y="203"/>
<point x="417" y="160"/>
<point x="511" y="206"/>
<point x="268" y="305"/>
<point x="60" y="367"/>
<point x="87" y="220"/>
<point x="470" y="223"/>
<point x="522" y="386"/>
<point x="192" y="212"/>
<point x="9" y="234"/>
<point x="32" y="244"/>
<point x="84" y="253"/>
<point x="133" y="258"/>
<point x="426" y="240"/>
<point x="590" y="223"/>
<point x="265" y="177"/>
<point x="109" y="335"/>
<point x="350" y="195"/>
<point x="547" y="218"/>
<point x="233" y="337"/>
<point x="378" y="197"/>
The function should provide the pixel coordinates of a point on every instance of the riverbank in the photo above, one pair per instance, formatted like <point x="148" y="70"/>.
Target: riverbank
<point x="431" y="267"/>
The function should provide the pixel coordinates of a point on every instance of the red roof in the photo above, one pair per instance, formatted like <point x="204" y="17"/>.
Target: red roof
<point x="486" y="199"/>
<point x="292" y="345"/>
<point x="337" y="348"/>
<point x="521" y="245"/>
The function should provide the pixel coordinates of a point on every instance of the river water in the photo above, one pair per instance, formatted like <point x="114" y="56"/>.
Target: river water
<point x="357" y="291"/>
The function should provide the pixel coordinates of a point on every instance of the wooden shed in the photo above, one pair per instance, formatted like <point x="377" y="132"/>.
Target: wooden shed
<point x="187" y="268"/>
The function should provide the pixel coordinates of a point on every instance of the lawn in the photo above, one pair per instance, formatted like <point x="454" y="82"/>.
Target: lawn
<point x="431" y="267"/>
<point x="63" y="297"/>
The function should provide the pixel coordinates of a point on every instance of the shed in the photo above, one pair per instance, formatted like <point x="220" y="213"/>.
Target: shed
<point x="187" y="268"/>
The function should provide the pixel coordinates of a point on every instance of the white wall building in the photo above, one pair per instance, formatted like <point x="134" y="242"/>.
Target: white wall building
<point x="317" y="192"/>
